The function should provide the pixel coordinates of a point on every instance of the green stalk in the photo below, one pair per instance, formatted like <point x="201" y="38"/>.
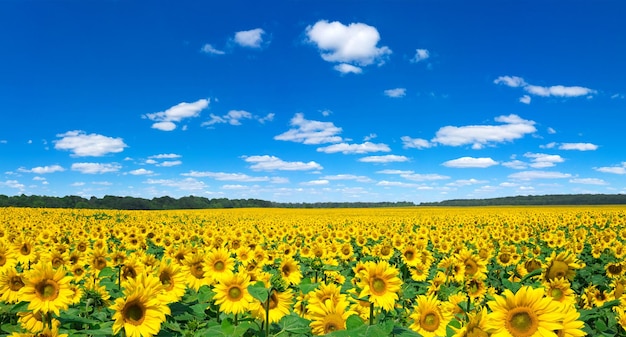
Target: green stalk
<point x="371" y="313"/>
<point x="267" y="313"/>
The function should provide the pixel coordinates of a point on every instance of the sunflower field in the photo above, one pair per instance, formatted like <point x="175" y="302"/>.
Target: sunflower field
<point x="490" y="271"/>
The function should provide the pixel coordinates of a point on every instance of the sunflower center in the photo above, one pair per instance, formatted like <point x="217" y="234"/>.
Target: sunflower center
<point x="430" y="321"/>
<point x="286" y="270"/>
<point x="47" y="289"/>
<point x="129" y="272"/>
<point x="134" y="312"/>
<point x="25" y="249"/>
<point x="100" y="262"/>
<point x="378" y="286"/>
<point x="615" y="269"/>
<point x="78" y="271"/>
<point x="197" y="270"/>
<point x="166" y="280"/>
<point x="505" y="257"/>
<point x="346" y="251"/>
<point x="16" y="283"/>
<point x="558" y="269"/>
<point x="273" y="301"/>
<point x="331" y="326"/>
<point x="219" y="265"/>
<point x="471" y="267"/>
<point x="235" y="293"/>
<point x="477" y="332"/>
<point x="556" y="293"/>
<point x="3" y="260"/>
<point x="521" y="322"/>
<point x="531" y="265"/>
<point x="81" y="247"/>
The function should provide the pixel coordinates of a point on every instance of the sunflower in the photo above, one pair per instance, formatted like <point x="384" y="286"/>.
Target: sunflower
<point x="34" y="321"/>
<point x="615" y="269"/>
<point x="381" y="283"/>
<point x="530" y="265"/>
<point x="429" y="318"/>
<point x="231" y="293"/>
<point x="98" y="258"/>
<point x="46" y="289"/>
<point x="24" y="251"/>
<point x="219" y="263"/>
<point x="572" y="327"/>
<point x="7" y="257"/>
<point x="419" y="272"/>
<point x="173" y="280"/>
<point x="290" y="270"/>
<point x="325" y="292"/>
<point x="563" y="264"/>
<point x="475" y="327"/>
<point x="559" y="289"/>
<point x="279" y="305"/>
<point x="527" y="313"/>
<point x="475" y="267"/>
<point x="96" y="293"/>
<point x="620" y="316"/>
<point x="195" y="266"/>
<point x="476" y="289"/>
<point x="327" y="316"/>
<point x="131" y="268"/>
<point x="46" y="332"/>
<point x="139" y="312"/>
<point x="10" y="284"/>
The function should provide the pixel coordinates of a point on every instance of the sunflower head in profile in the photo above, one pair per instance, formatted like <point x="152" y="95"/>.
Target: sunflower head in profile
<point x="381" y="283"/>
<point x="527" y="313"/>
<point x="46" y="289"/>
<point x="429" y="318"/>
<point x="560" y="290"/>
<point x="563" y="264"/>
<point x="173" y="280"/>
<point x="279" y="304"/>
<point x="10" y="284"/>
<point x="475" y="326"/>
<point x="329" y="316"/>
<point x="231" y="293"/>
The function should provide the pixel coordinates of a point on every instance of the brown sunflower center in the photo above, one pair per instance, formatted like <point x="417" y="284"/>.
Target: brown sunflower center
<point x="25" y="249"/>
<point x="521" y="322"/>
<point x="409" y="255"/>
<point x="47" y="289"/>
<point x="471" y="267"/>
<point x="286" y="270"/>
<point x="615" y="269"/>
<point x="556" y="293"/>
<point x="346" y="251"/>
<point x="16" y="283"/>
<point x="332" y="326"/>
<point x="78" y="271"/>
<point x="99" y="262"/>
<point x="197" y="270"/>
<point x="378" y="286"/>
<point x="476" y="332"/>
<point x="134" y="312"/>
<point x="235" y="293"/>
<point x="430" y="321"/>
<point x="3" y="259"/>
<point x="504" y="257"/>
<point x="557" y="269"/>
<point x="166" y="280"/>
<point x="129" y="272"/>
<point x="219" y="265"/>
<point x="531" y="265"/>
<point x="273" y="301"/>
<point x="81" y="247"/>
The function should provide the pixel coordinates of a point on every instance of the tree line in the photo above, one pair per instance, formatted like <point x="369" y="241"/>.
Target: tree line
<point x="537" y="200"/>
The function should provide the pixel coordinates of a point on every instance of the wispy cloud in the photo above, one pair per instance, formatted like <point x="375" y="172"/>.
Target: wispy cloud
<point x="165" y="156"/>
<point x="361" y="179"/>
<point x="467" y="182"/>
<point x="414" y="143"/>
<point x="82" y="144"/>
<point x="96" y="168"/>
<point x="390" y="158"/>
<point x="235" y="117"/>
<point x="224" y="176"/>
<point x="310" y="132"/>
<point x="13" y="184"/>
<point x="617" y="169"/>
<point x="532" y="175"/>
<point x="395" y="93"/>
<point x="420" y="55"/>
<point x="345" y="68"/>
<point x="479" y="136"/>
<point x="272" y="163"/>
<point x="43" y="169"/>
<point x="346" y="148"/>
<point x="252" y="38"/>
<point x="166" y="120"/>
<point x="318" y="182"/>
<point x="187" y="184"/>
<point x="141" y="172"/>
<point x="544" y="91"/>
<point x="588" y="181"/>
<point x="470" y="162"/>
<point x="209" y="49"/>
<point x="542" y="160"/>
<point x="353" y="45"/>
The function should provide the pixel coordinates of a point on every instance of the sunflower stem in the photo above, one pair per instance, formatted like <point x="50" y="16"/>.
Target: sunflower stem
<point x="49" y="320"/>
<point x="267" y="313"/>
<point x="236" y="322"/>
<point x="371" y="313"/>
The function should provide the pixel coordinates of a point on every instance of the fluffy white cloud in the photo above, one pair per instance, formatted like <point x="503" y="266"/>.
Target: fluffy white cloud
<point x="354" y="44"/>
<point x="170" y="163"/>
<point x="479" y="136"/>
<point x="542" y="160"/>
<point x="345" y="68"/>
<point x="12" y="184"/>
<point x="223" y="176"/>
<point x="578" y="146"/>
<point x="414" y="143"/>
<point x="515" y="164"/>
<point x="187" y="184"/>
<point x="272" y="163"/>
<point x="467" y="182"/>
<point x="396" y="184"/>
<point x="234" y="117"/>
<point x="544" y="91"/>
<point x="310" y="132"/>
<point x="166" y="120"/>
<point x="470" y="162"/>
<point x="361" y="179"/>
<point x="95" y="168"/>
<point x="354" y="148"/>
<point x="420" y="55"/>
<point x="423" y="177"/>
<point x="588" y="181"/>
<point x="141" y="172"/>
<point x="531" y="175"/>
<point x="612" y="169"/>
<point x="394" y="172"/>
<point x="45" y="169"/>
<point x="525" y="99"/>
<point x="250" y="38"/>
<point x="318" y="182"/>
<point x="390" y="158"/>
<point x="395" y="93"/>
<point x="165" y="156"/>
<point x="88" y="145"/>
<point x="209" y="49"/>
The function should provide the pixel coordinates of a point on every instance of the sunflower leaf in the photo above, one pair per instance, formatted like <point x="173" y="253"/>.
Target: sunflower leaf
<point x="259" y="291"/>
<point x="294" y="324"/>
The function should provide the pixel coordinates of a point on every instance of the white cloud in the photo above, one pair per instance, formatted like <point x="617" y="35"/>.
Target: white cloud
<point x="515" y="164"/>
<point x="551" y="131"/>
<point x="578" y="146"/>
<point x="12" y="184"/>
<point x="612" y="169"/>
<point x="165" y="156"/>
<point x="345" y="68"/>
<point x="250" y="38"/>
<point x="354" y="148"/>
<point x="588" y="181"/>
<point x="544" y="91"/>
<point x="525" y="99"/>
<point x="542" y="160"/>
<point x="394" y="171"/>
<point x="424" y="177"/>
<point x="140" y="172"/>
<point x="396" y="184"/>
<point x="271" y="163"/>
<point x="420" y="55"/>
<point x="170" y="163"/>
<point x="390" y="158"/>
<point x="187" y="184"/>
<point x="234" y="117"/>
<point x="467" y="182"/>
<point x="354" y="44"/>
<point x="369" y="137"/>
<point x="88" y="145"/>
<point x="95" y="168"/>
<point x="395" y="93"/>
<point x="470" y="162"/>
<point x="318" y="182"/>
<point x="223" y="176"/>
<point x="513" y="128"/>
<point x="209" y="49"/>
<point x="531" y="175"/>
<point x="166" y="120"/>
<point x="415" y="143"/>
<point x="268" y="118"/>
<point x="45" y="169"/>
<point x="310" y="132"/>
<point x="361" y="179"/>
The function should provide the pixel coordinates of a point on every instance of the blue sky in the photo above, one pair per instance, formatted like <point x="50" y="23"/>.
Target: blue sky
<point x="306" y="101"/>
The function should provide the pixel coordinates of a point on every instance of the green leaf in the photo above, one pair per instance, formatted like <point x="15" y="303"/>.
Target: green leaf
<point x="205" y="294"/>
<point x="19" y="307"/>
<point x="354" y="322"/>
<point x="107" y="272"/>
<point x="10" y="328"/>
<point x="295" y="324"/>
<point x="259" y="291"/>
<point x="227" y="329"/>
<point x="306" y="286"/>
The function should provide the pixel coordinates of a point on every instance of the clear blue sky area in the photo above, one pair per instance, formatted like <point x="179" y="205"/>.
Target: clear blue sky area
<point x="307" y="101"/>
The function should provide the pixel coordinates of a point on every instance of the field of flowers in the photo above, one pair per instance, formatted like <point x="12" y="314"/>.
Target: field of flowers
<point x="501" y="271"/>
